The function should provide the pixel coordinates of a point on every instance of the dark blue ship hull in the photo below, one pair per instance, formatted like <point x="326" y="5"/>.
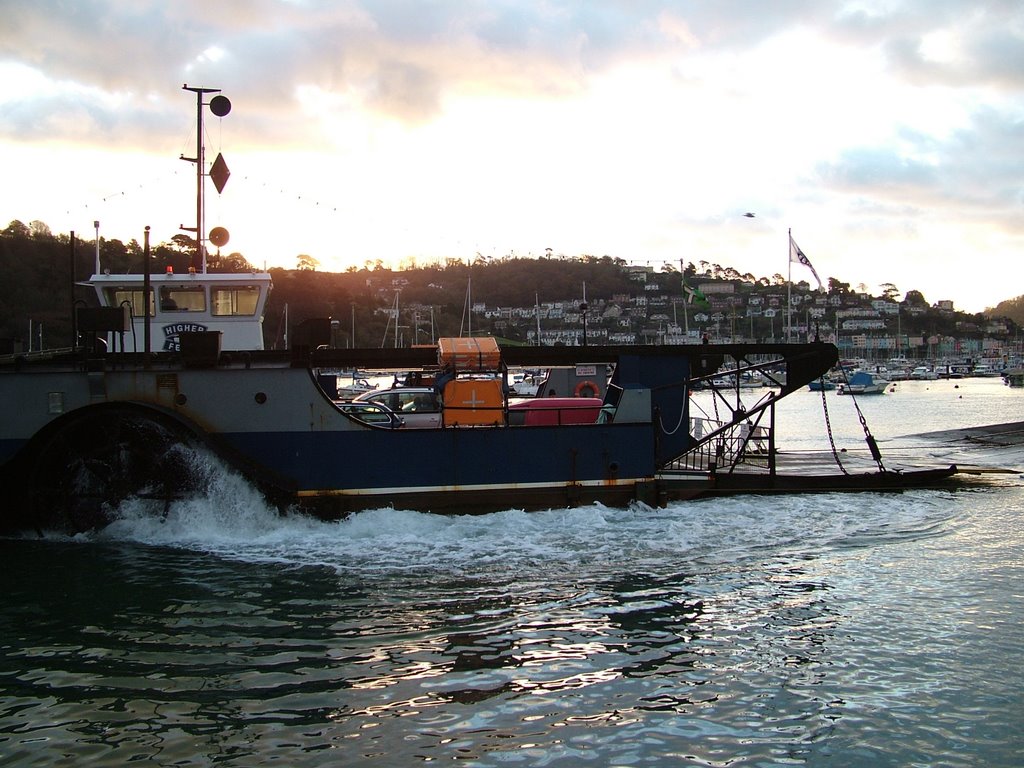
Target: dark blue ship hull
<point x="83" y="434"/>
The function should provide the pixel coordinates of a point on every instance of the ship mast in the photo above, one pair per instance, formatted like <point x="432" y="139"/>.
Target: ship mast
<point x="220" y="106"/>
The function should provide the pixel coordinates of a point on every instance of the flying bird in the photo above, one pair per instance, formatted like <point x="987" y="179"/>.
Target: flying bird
<point x="749" y="215"/>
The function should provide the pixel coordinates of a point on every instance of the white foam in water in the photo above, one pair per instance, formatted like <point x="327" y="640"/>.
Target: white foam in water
<point x="228" y="509"/>
<point x="231" y="519"/>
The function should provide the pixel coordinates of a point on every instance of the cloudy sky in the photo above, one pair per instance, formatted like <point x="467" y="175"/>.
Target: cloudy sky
<point x="888" y="135"/>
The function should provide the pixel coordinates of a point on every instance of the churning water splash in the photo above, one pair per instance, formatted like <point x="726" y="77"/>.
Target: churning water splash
<point x="230" y="518"/>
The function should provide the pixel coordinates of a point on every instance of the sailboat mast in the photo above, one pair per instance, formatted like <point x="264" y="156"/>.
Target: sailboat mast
<point x="536" y="311"/>
<point x="467" y="309"/>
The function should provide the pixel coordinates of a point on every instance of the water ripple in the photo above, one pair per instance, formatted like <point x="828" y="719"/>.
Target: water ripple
<point x="714" y="633"/>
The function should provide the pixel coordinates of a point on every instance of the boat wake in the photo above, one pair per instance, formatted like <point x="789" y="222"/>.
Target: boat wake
<point x="231" y="519"/>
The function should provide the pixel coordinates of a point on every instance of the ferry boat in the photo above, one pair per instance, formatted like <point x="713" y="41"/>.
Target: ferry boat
<point x="86" y="430"/>
<point x="175" y="363"/>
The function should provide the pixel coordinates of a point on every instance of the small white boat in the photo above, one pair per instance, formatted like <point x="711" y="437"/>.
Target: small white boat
<point x="985" y="370"/>
<point x="923" y="373"/>
<point x="356" y="388"/>
<point x="821" y="385"/>
<point x="863" y="383"/>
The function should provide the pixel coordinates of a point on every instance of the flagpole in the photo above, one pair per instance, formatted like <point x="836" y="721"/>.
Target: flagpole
<point x="686" y="316"/>
<point x="789" y="287"/>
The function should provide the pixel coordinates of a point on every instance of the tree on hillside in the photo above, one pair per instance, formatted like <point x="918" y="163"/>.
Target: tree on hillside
<point x="16" y="229"/>
<point x="836" y="286"/>
<point x="115" y="257"/>
<point x="39" y="229"/>
<point x="1011" y="308"/>
<point x="232" y="262"/>
<point x="889" y="291"/>
<point x="183" y="243"/>
<point x="915" y="299"/>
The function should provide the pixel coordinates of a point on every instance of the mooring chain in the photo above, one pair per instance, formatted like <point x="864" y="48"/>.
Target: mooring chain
<point x="868" y="437"/>
<point x="828" y="427"/>
<point x="870" y="440"/>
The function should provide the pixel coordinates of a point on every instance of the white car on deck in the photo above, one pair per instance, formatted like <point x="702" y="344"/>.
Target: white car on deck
<point x="418" y="407"/>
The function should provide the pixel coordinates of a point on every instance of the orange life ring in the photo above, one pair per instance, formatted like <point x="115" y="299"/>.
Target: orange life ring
<point x="583" y="385"/>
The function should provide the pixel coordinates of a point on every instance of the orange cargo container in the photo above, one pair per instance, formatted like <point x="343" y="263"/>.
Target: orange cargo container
<point x="480" y="353"/>
<point x="473" y="403"/>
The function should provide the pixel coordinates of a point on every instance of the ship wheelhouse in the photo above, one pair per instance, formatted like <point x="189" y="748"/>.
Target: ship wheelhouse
<point x="232" y="304"/>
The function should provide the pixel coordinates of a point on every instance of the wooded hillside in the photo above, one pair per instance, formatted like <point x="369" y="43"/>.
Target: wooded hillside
<point x="39" y="269"/>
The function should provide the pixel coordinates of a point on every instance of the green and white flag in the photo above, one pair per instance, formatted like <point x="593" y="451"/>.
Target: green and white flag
<point x="692" y="293"/>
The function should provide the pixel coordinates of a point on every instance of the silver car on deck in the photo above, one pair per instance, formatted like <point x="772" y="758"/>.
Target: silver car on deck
<point x="418" y="407"/>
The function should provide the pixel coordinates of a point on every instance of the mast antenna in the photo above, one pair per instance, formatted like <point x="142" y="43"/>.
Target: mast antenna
<point x="220" y="106"/>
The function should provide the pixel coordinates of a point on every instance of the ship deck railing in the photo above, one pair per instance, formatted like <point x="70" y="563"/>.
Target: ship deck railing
<point x="726" y="446"/>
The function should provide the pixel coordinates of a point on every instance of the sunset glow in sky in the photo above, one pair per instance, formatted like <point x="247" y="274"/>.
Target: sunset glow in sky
<point x="888" y="135"/>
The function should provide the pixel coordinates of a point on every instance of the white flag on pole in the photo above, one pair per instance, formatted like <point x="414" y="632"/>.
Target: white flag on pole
<point x="795" y="254"/>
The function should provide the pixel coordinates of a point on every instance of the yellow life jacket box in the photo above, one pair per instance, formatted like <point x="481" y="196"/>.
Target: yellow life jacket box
<point x="469" y="353"/>
<point x="473" y="403"/>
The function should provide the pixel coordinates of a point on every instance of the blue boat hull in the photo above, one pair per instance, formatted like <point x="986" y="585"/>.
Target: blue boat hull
<point x="454" y="467"/>
<point x="83" y="437"/>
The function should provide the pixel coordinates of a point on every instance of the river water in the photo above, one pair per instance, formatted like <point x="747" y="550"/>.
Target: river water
<point x="841" y="629"/>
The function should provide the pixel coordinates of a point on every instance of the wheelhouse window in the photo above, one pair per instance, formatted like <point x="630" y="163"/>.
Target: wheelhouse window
<point x="237" y="300"/>
<point x="116" y="297"/>
<point x="182" y="299"/>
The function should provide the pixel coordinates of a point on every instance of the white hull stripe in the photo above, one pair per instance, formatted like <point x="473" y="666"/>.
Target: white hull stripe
<point x="617" y="483"/>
